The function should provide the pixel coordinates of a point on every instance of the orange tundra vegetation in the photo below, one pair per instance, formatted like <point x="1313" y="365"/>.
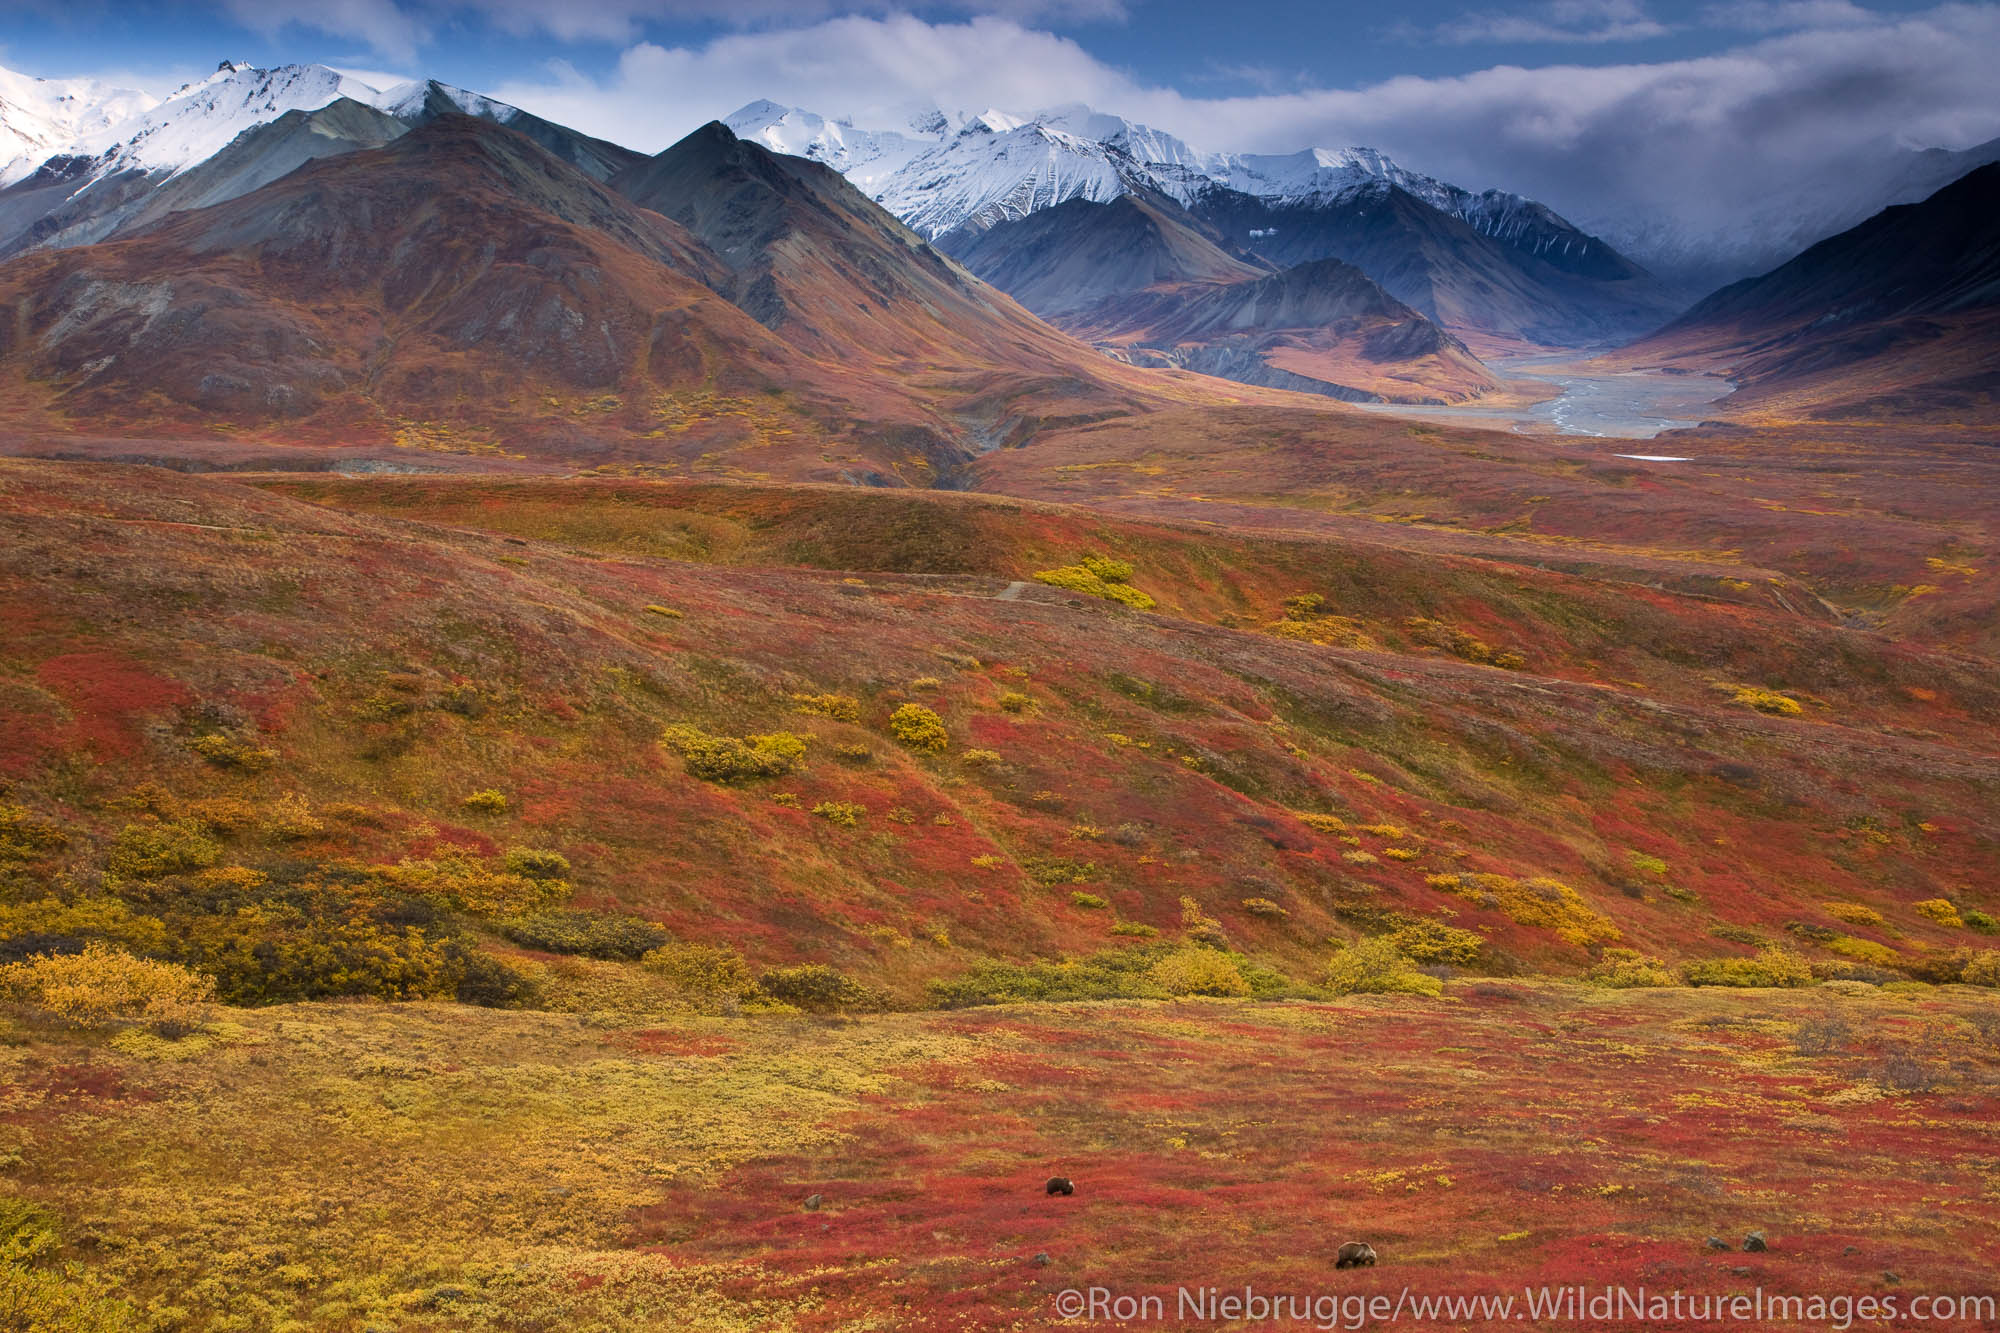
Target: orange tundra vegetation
<point x="275" y="741"/>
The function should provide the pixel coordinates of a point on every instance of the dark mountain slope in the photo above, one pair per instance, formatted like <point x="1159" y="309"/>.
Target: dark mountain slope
<point x="1322" y="327"/>
<point x="832" y="273"/>
<point x="254" y="159"/>
<point x="1474" y="284"/>
<point x="1144" y="279"/>
<point x="598" y="159"/>
<point x="1898" y="315"/>
<point x="1063" y="260"/>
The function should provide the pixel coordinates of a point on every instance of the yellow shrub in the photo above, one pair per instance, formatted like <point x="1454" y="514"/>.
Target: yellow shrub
<point x="1400" y="853"/>
<point x="1983" y="969"/>
<point x="845" y="813"/>
<point x="1199" y="926"/>
<point x="730" y="758"/>
<point x="708" y="970"/>
<point x="1095" y="576"/>
<point x="980" y="756"/>
<point x="487" y="802"/>
<point x="458" y="881"/>
<point x="100" y="986"/>
<point x="1360" y="858"/>
<point x="224" y="752"/>
<point x="1197" y="972"/>
<point x="1864" y="951"/>
<point x="1628" y="969"/>
<point x="153" y="849"/>
<point x="1375" y="967"/>
<point x="1013" y="701"/>
<point x="1767" y="701"/>
<point x="1774" y="966"/>
<point x="1428" y="941"/>
<point x="224" y="814"/>
<point x="1544" y="903"/>
<point x="1939" y="910"/>
<point x="291" y="819"/>
<point x="1322" y="823"/>
<point x="919" y="728"/>
<point x="839" y="707"/>
<point x="1393" y="832"/>
<point x="1264" y="907"/>
<point x="1855" y="914"/>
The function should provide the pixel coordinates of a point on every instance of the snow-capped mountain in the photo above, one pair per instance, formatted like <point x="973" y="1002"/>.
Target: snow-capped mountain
<point x="946" y="170"/>
<point x="201" y="119"/>
<point x="41" y="116"/>
<point x="112" y="174"/>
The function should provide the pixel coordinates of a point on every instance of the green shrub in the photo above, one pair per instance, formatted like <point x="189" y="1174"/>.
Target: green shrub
<point x="154" y="849"/>
<point x="1137" y="930"/>
<point x="1428" y="941"/>
<point x="1977" y="920"/>
<point x="1111" y="975"/>
<point x="456" y="880"/>
<point x="1651" y="865"/>
<point x="919" y="728"/>
<point x="1050" y="871"/>
<point x="1197" y="971"/>
<point x="1375" y="967"/>
<point x="732" y="759"/>
<point x="814" y="987"/>
<point x="535" y="863"/>
<point x="592" y="934"/>
<point x="1773" y="966"/>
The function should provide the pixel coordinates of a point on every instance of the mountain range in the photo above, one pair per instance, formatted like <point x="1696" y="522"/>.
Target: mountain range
<point x="852" y="283"/>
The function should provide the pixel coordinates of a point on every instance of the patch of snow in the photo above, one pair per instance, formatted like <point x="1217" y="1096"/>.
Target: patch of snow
<point x="1656" y="458"/>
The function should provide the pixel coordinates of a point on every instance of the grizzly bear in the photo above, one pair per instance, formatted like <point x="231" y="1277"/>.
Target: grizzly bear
<point x="1060" y="1185"/>
<point x="1355" y="1254"/>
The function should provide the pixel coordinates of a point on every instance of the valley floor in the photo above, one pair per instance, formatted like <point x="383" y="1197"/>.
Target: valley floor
<point x="347" y="1166"/>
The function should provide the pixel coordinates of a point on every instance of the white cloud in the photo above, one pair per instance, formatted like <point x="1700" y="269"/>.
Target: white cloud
<point x="386" y="26"/>
<point x="1786" y="15"/>
<point x="1694" y="142"/>
<point x="1564" y="21"/>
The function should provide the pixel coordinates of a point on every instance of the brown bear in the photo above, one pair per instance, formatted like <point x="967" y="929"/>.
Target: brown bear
<point x="1355" y="1254"/>
<point x="1060" y="1185"/>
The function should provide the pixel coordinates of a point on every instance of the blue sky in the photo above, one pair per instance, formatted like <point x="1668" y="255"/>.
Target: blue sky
<point x="1696" y="111"/>
<point x="1198" y="46"/>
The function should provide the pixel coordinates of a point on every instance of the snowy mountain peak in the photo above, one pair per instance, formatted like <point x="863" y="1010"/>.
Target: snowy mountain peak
<point x="39" y="117"/>
<point x="201" y="119"/>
